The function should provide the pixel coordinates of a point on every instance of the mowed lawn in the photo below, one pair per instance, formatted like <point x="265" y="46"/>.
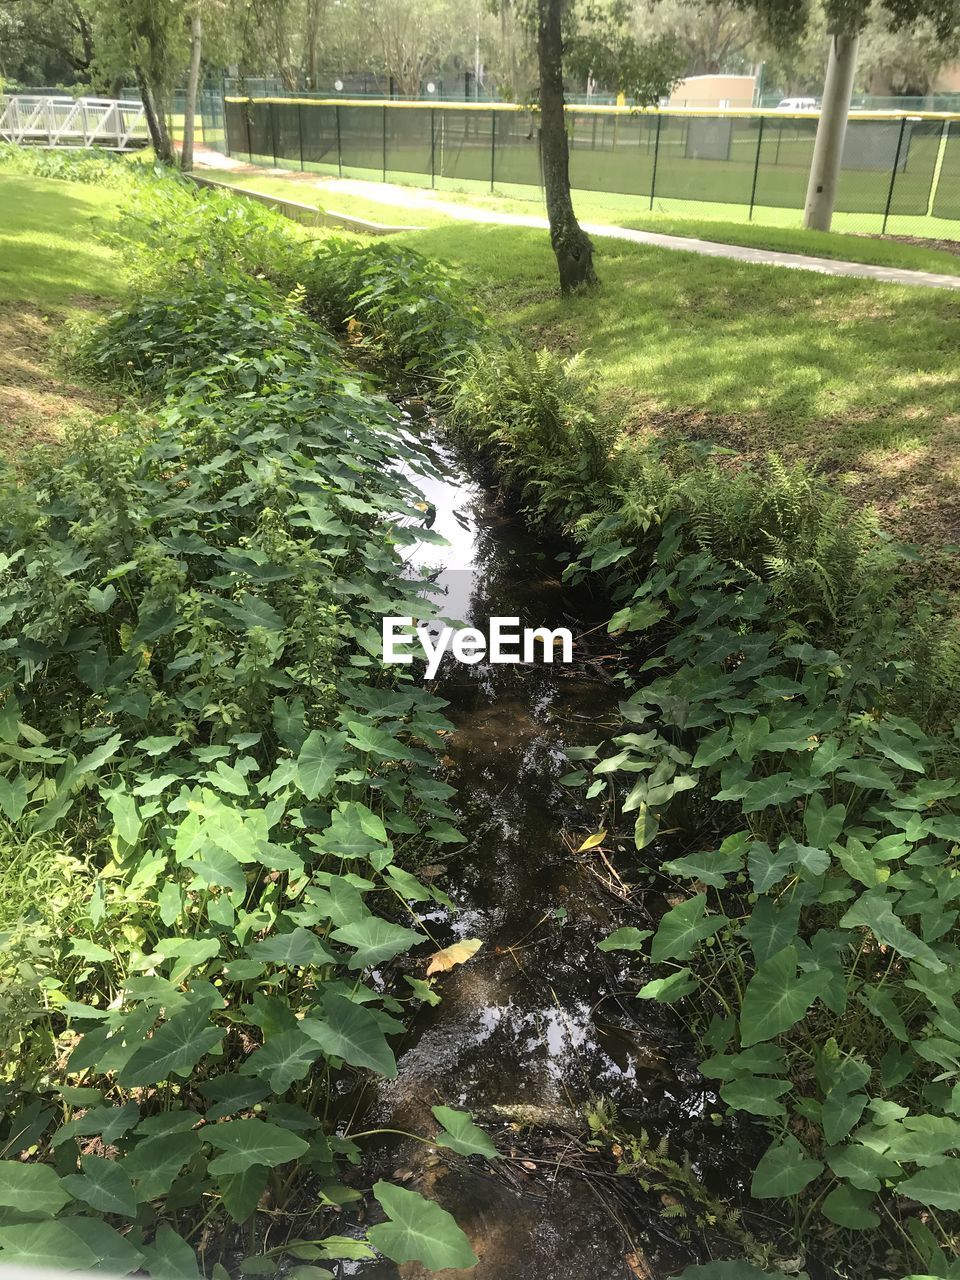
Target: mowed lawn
<point x="54" y="265"/>
<point x="860" y="379"/>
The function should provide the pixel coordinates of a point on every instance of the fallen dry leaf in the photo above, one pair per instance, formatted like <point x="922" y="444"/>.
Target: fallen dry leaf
<point x="450" y="957"/>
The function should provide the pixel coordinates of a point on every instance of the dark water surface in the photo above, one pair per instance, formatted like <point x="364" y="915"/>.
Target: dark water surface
<point x="539" y="1024"/>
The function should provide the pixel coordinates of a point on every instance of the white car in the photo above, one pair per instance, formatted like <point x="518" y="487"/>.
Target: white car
<point x="797" y="104"/>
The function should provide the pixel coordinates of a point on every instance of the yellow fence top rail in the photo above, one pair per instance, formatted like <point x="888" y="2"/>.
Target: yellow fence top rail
<point x="583" y="108"/>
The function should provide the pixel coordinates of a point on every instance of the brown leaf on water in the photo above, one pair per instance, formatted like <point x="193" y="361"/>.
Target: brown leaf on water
<point x="638" y="1266"/>
<point x="450" y="957"/>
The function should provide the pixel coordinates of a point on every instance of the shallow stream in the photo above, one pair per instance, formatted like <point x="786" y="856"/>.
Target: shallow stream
<point x="539" y="1026"/>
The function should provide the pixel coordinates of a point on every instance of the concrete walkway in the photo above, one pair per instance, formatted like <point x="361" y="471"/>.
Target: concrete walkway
<point x="412" y="198"/>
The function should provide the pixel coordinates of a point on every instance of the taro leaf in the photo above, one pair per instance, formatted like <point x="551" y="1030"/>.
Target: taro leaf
<point x="351" y="1032"/>
<point x="712" y="867"/>
<point x="762" y="1057"/>
<point x="777" y="997"/>
<point x="283" y="1059"/>
<point x="375" y="940"/>
<point x="683" y="927"/>
<point x="861" y="1166"/>
<point x="48" y="1245"/>
<point x="840" y="1112"/>
<point x="462" y="1135"/>
<point x="31" y="1188"/>
<point x="241" y="1191"/>
<point x="822" y="825"/>
<point x="230" y="1092"/>
<point x="458" y="953"/>
<point x="624" y="940"/>
<point x="114" y="1253"/>
<point x="321" y="756"/>
<point x="299" y="949"/>
<point x="104" y="1186"/>
<point x="749" y="735"/>
<point x="814" y="860"/>
<point x="874" y="910"/>
<point x="938" y="1188"/>
<point x="784" y="1169"/>
<point x="770" y="928"/>
<point x="849" y="1207"/>
<point x="109" y="1122"/>
<point x="248" y="1142"/>
<point x="775" y="788"/>
<point x="174" y="1049"/>
<point x="646" y="827"/>
<point x="170" y="1257"/>
<point x="766" y="867"/>
<point x="866" y="774"/>
<point x="755" y="1094"/>
<point x="418" y="1231"/>
<point x="667" y="990"/>
<point x="156" y="1162"/>
<point x="897" y="748"/>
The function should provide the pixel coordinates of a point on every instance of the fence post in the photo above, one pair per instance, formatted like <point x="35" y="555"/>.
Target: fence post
<point x="300" y="131"/>
<point x="433" y="148"/>
<point x="273" y="133"/>
<point x="938" y="165"/>
<point x="384" y="143"/>
<point x="893" y="175"/>
<point x="339" y="149"/>
<point x="656" y="156"/>
<point x="248" y="113"/>
<point x="493" y="146"/>
<point x="756" y="171"/>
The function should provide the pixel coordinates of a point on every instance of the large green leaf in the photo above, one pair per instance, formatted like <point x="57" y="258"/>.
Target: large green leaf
<point x="175" y="1049"/>
<point x="31" y="1188"/>
<point x="298" y="949"/>
<point x="351" y="1032"/>
<point x="777" y="997"/>
<point x="103" y="1185"/>
<point x="248" y="1142"/>
<point x="418" y="1231"/>
<point x="626" y="939"/>
<point x="784" y="1169"/>
<point x="937" y="1187"/>
<point x="849" y="1207"/>
<point x="822" y="825"/>
<point x="114" y="1253"/>
<point x="50" y="1245"/>
<point x="683" y="927"/>
<point x="460" y="1134"/>
<point x="241" y="1191"/>
<point x="756" y="1094"/>
<point x="170" y="1257"/>
<point x="286" y="1057"/>
<point x="320" y="758"/>
<point x="375" y="940"/>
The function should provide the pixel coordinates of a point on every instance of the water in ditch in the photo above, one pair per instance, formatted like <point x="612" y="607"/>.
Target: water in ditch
<point x="539" y="1028"/>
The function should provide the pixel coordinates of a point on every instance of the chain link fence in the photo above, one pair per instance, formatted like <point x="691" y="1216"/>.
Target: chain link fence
<point x="900" y="173"/>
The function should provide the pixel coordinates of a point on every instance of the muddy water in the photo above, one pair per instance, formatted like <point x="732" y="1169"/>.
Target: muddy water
<point x="539" y="1025"/>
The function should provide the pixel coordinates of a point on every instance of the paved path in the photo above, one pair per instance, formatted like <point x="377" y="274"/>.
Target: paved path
<point x="392" y="195"/>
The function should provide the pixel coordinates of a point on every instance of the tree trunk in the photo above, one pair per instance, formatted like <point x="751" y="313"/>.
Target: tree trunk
<point x="193" y="83"/>
<point x="831" y="130"/>
<point x="571" y="245"/>
<point x="156" y="122"/>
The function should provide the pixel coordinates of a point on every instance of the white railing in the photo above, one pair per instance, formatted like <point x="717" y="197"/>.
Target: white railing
<point x="73" y="122"/>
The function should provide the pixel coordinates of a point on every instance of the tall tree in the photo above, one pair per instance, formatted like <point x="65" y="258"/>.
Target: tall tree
<point x="594" y="45"/>
<point x="193" y="84"/>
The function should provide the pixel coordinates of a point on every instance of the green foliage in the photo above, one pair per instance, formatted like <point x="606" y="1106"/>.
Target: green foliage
<point x="818" y="941"/>
<point x="539" y="414"/>
<point x="413" y="315"/>
<point x="193" y="698"/>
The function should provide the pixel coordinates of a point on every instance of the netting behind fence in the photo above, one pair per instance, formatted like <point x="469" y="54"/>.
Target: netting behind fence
<point x="896" y="166"/>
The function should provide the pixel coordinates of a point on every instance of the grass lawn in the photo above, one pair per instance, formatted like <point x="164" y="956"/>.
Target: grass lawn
<point x="385" y="203"/>
<point x="859" y="379"/>
<point x="53" y="267"/>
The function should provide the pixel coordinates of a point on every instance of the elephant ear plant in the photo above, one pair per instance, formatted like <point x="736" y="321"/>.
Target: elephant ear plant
<point x="810" y="941"/>
<point x="194" y="703"/>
